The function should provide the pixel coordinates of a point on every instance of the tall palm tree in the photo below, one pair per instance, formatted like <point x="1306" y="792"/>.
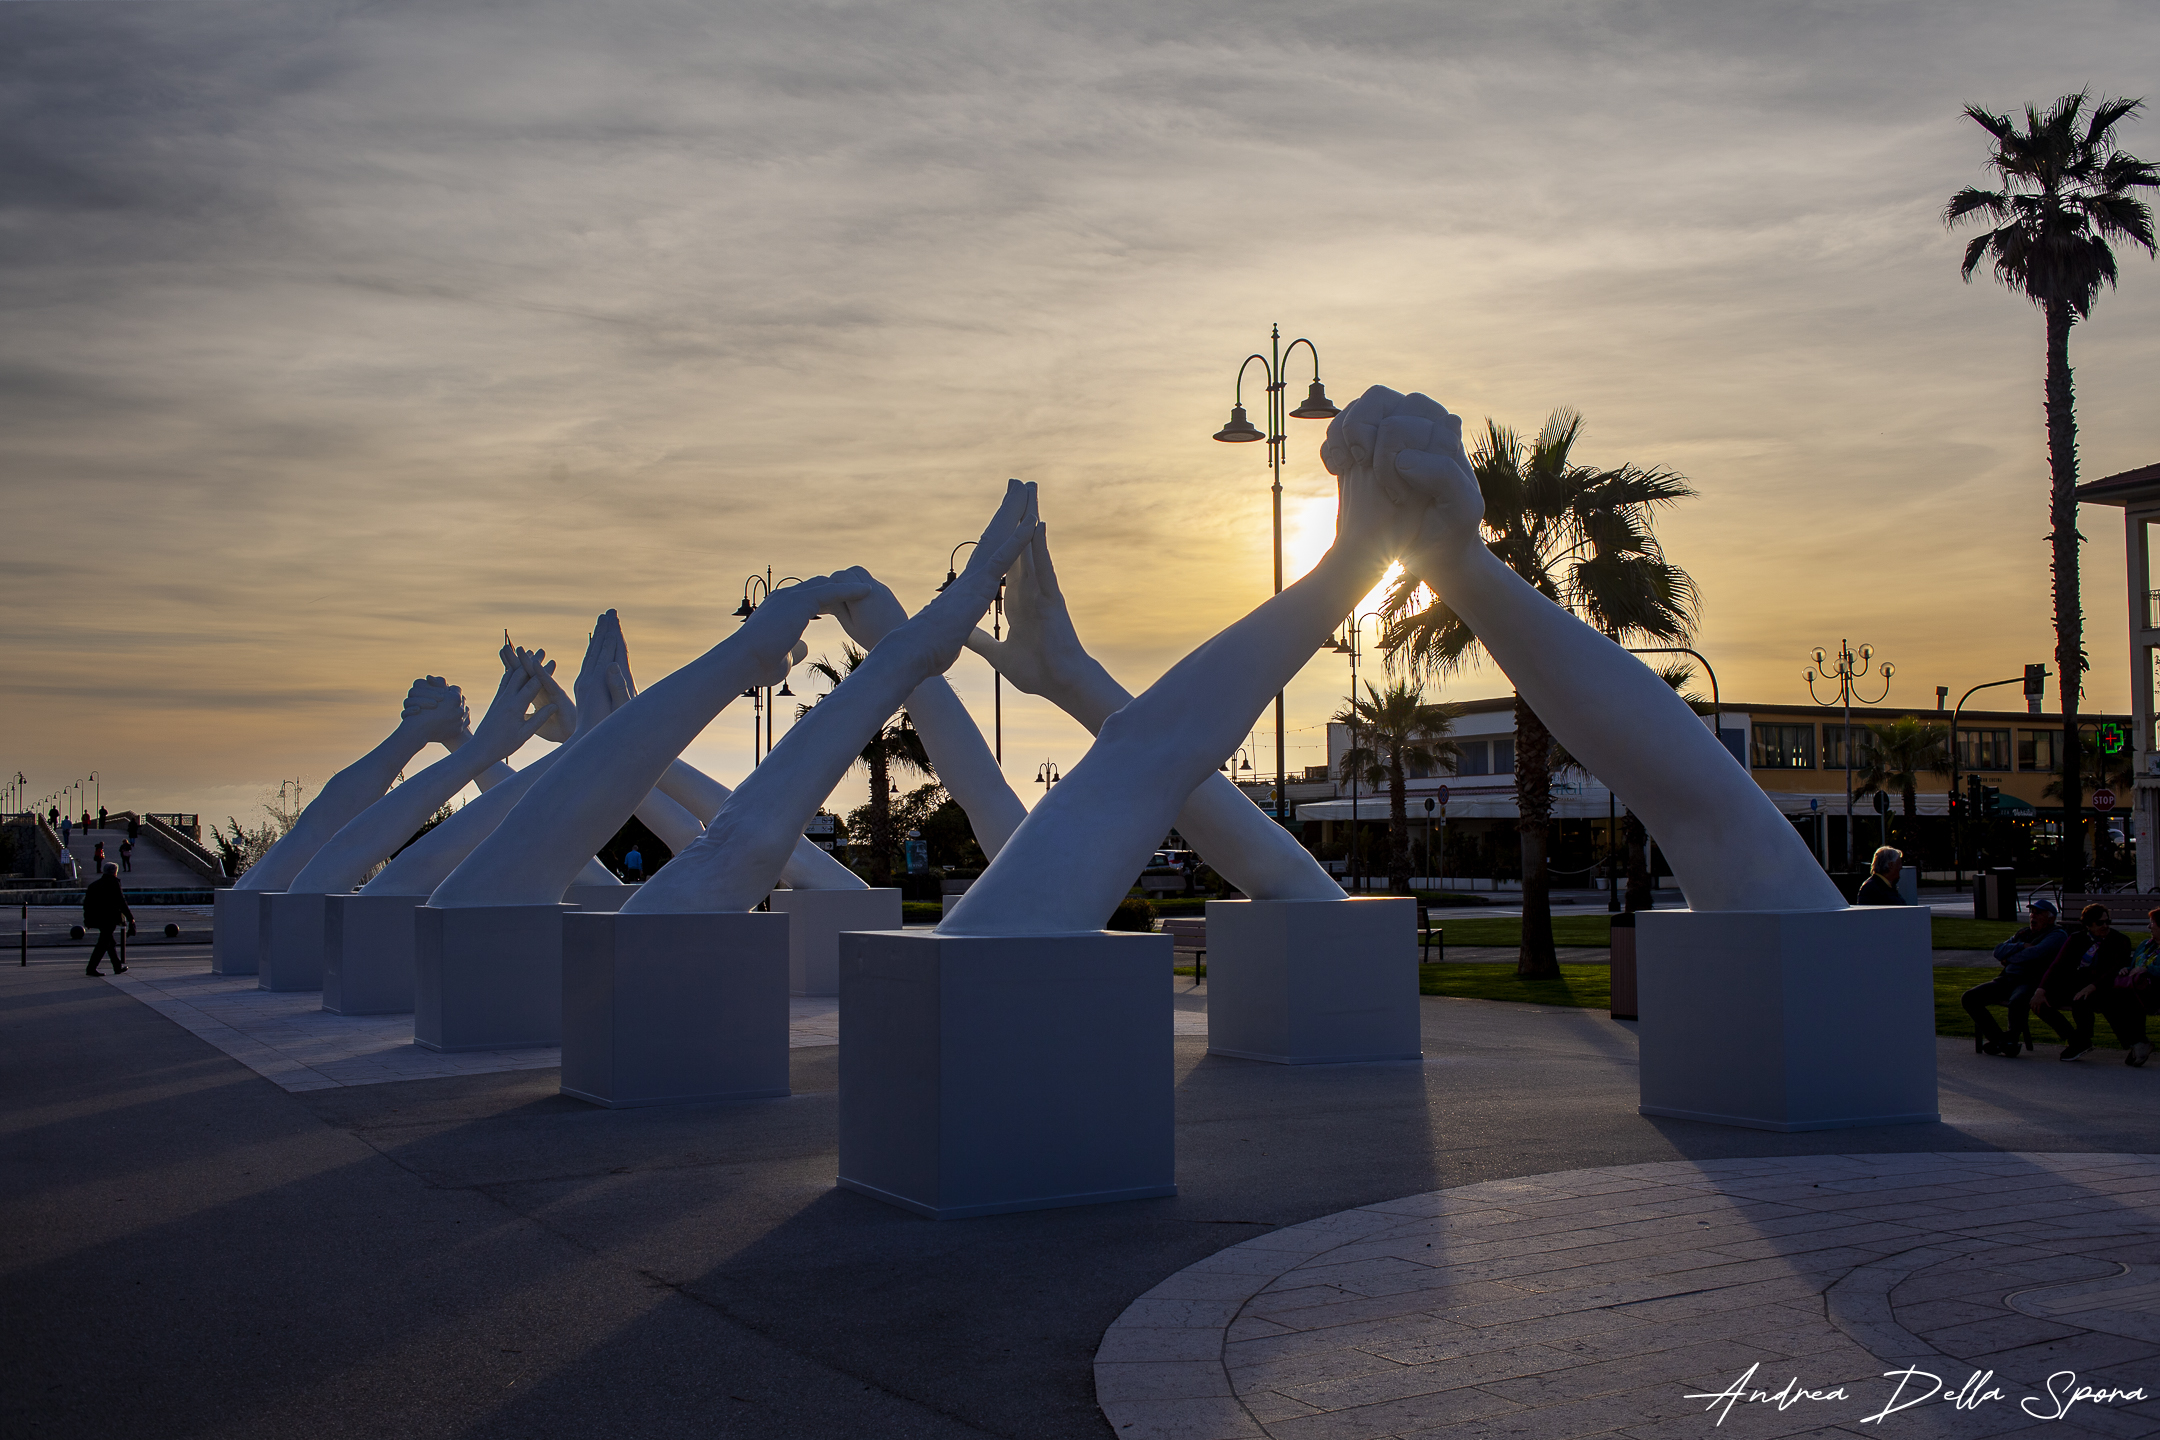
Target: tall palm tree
<point x="896" y="746"/>
<point x="1400" y="729"/>
<point x="2066" y="192"/>
<point x="1904" y="750"/>
<point x="1582" y="536"/>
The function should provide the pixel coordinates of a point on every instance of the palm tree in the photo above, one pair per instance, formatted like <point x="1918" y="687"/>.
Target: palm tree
<point x="1581" y="536"/>
<point x="1903" y="750"/>
<point x="1401" y="729"/>
<point x="896" y="746"/>
<point x="2066" y="192"/>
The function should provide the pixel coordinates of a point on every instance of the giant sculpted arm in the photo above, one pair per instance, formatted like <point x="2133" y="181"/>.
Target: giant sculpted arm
<point x="1065" y="869"/>
<point x="584" y="797"/>
<point x="372" y="835"/>
<point x="955" y="745"/>
<point x="1044" y="657"/>
<point x="748" y="842"/>
<point x="434" y="710"/>
<point x="1727" y="843"/>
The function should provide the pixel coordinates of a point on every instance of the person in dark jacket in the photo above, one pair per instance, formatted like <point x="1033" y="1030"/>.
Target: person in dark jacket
<point x="2082" y="977"/>
<point x="1880" y="887"/>
<point x="2025" y="959"/>
<point x="104" y="907"/>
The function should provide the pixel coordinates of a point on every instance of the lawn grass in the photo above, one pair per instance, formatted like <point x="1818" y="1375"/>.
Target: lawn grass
<point x="1587" y="987"/>
<point x="1972" y="934"/>
<point x="1597" y="930"/>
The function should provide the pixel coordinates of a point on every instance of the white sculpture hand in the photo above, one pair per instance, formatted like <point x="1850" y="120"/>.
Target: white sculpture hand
<point x="774" y="630"/>
<point x="1043" y="654"/>
<point x="1390" y="502"/>
<point x="873" y="617"/>
<point x="561" y="726"/>
<point x="507" y="725"/>
<point x="604" y="655"/>
<point x="435" y="710"/>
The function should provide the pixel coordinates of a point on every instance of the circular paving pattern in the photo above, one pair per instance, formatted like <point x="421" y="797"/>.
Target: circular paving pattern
<point x="1674" y="1299"/>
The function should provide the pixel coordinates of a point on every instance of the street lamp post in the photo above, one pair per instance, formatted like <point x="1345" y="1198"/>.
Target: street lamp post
<point x="997" y="632"/>
<point x="1847" y="669"/>
<point x="1349" y="645"/>
<point x="761" y="697"/>
<point x="1612" y="814"/>
<point x="97" y="791"/>
<point x="1315" y="406"/>
<point x="1046" y="775"/>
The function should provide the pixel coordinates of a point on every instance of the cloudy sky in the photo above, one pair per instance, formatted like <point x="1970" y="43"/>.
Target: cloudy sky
<point x="339" y="338"/>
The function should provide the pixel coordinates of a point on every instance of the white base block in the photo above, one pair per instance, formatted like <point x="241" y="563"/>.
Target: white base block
<point x="290" y="953"/>
<point x="488" y="977"/>
<point x="666" y="1009"/>
<point x="368" y="954"/>
<point x="1785" y="1020"/>
<point x="235" y="932"/>
<point x="600" y="899"/>
<point x="817" y="919"/>
<point x="981" y="1075"/>
<point x="1313" y="982"/>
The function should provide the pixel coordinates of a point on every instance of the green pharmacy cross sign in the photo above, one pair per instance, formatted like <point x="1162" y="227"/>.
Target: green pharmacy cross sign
<point x="2113" y="738"/>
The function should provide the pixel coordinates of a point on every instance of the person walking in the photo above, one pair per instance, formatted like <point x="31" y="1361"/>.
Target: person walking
<point x="97" y="859"/>
<point x="1880" y="888"/>
<point x="101" y="817"/>
<point x="2081" y="976"/>
<point x="67" y="831"/>
<point x="52" y="815"/>
<point x="127" y="857"/>
<point x="633" y="864"/>
<point x="2025" y="959"/>
<point x="104" y="908"/>
<point x="134" y="827"/>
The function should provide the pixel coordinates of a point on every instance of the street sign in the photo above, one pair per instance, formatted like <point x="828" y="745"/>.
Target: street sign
<point x="2103" y="800"/>
<point x="1441" y="794"/>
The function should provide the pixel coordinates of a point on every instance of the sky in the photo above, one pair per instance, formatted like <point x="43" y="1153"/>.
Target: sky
<point x="340" y="338"/>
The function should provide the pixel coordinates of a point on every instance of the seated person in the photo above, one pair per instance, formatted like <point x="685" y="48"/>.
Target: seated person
<point x="2082" y="975"/>
<point x="2130" y="998"/>
<point x="2025" y="958"/>
<point x="1880" y="888"/>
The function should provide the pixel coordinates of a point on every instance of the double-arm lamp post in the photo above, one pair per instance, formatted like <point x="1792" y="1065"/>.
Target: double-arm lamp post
<point x="1847" y="669"/>
<point x="761" y="698"/>
<point x="1315" y="406"/>
<point x="1350" y="645"/>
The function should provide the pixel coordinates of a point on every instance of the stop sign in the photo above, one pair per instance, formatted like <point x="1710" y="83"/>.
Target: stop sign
<point x="2103" y="800"/>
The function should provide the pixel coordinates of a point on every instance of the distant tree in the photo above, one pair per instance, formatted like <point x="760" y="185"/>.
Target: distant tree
<point x="895" y="747"/>
<point x="2066" y="192"/>
<point x="1904" y="750"/>
<point x="1398" y="728"/>
<point x="1582" y="536"/>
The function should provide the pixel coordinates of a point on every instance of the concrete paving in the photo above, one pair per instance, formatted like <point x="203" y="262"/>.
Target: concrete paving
<point x="192" y="1250"/>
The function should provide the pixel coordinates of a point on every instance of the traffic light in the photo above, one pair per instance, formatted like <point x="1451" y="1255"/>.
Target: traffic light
<point x="1957" y="809"/>
<point x="2035" y="681"/>
<point x="1990" y="799"/>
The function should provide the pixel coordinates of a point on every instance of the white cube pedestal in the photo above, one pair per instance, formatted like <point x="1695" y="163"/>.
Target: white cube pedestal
<point x="1313" y="982"/>
<point x="816" y="920"/>
<point x="1787" y="1020"/>
<point x="600" y="899"/>
<point x="982" y="1075"/>
<point x="488" y="977"/>
<point x="368" y="954"/>
<point x="667" y="1009"/>
<point x="235" y="931"/>
<point x="290" y="949"/>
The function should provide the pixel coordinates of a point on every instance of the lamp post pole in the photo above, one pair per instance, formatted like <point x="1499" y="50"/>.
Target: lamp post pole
<point x="1316" y="406"/>
<point x="1349" y="645"/>
<point x="1046" y="775"/>
<point x="997" y="632"/>
<point x="1957" y="851"/>
<point x="1847" y="668"/>
<point x="761" y="697"/>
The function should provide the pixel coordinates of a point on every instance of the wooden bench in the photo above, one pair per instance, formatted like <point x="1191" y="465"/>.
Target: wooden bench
<point x="2126" y="909"/>
<point x="1188" y="937"/>
<point x="1429" y="935"/>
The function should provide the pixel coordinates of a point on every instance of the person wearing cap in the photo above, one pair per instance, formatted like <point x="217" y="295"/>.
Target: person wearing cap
<point x="2025" y="959"/>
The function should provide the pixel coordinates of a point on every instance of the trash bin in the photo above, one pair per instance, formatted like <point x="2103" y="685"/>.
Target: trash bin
<point x="1623" y="966"/>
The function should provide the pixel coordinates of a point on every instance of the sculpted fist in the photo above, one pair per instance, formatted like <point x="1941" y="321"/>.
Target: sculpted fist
<point x="1399" y="456"/>
<point x="877" y="614"/>
<point x="774" y="629"/>
<point x="435" y="710"/>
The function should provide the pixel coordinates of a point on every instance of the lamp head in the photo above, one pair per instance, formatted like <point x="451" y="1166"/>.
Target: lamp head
<point x="1317" y="406"/>
<point x="950" y="576"/>
<point x="783" y="690"/>
<point x="1239" y="429"/>
<point x="744" y="610"/>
